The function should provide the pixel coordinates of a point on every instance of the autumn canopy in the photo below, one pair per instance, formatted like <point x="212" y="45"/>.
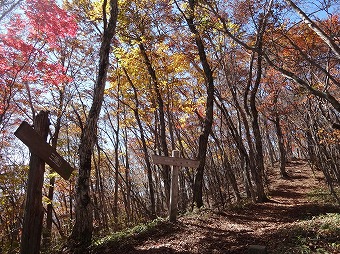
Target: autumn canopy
<point x="240" y="86"/>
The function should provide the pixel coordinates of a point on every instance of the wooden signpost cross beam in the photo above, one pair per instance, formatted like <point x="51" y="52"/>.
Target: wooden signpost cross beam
<point x="175" y="162"/>
<point x="41" y="152"/>
<point x="39" y="147"/>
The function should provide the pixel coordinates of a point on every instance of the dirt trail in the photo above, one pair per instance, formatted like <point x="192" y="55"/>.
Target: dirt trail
<point x="232" y="231"/>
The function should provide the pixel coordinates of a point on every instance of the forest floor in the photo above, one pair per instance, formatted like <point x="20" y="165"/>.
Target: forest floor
<point x="298" y="219"/>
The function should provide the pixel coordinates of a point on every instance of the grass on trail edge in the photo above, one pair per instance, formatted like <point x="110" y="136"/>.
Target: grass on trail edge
<point x="128" y="236"/>
<point x="321" y="234"/>
<point x="317" y="234"/>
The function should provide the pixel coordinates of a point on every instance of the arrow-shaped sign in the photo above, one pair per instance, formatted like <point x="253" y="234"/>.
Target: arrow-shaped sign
<point x="39" y="147"/>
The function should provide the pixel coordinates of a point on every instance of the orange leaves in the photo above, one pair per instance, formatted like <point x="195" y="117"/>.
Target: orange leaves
<point x="329" y="136"/>
<point x="291" y="43"/>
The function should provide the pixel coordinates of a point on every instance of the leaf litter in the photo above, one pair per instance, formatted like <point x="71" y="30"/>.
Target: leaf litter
<point x="290" y="223"/>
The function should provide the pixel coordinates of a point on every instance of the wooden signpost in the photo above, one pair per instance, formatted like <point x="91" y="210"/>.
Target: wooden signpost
<point x="41" y="152"/>
<point x="175" y="162"/>
<point x="39" y="147"/>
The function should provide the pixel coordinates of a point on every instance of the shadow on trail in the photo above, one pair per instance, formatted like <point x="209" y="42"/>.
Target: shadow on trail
<point x="232" y="231"/>
<point x="236" y="242"/>
<point x="227" y="240"/>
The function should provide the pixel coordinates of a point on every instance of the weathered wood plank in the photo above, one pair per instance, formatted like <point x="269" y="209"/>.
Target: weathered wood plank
<point x="34" y="212"/>
<point x="174" y="189"/>
<point x="39" y="147"/>
<point x="172" y="161"/>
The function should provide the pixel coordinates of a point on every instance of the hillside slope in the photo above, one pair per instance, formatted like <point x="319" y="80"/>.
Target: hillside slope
<point x="291" y="223"/>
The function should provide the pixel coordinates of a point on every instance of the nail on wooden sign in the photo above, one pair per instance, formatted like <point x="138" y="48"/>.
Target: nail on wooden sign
<point x="39" y="147"/>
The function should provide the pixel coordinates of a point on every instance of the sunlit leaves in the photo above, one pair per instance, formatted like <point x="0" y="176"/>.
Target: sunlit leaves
<point x="49" y="21"/>
<point x="24" y="44"/>
<point x="27" y="46"/>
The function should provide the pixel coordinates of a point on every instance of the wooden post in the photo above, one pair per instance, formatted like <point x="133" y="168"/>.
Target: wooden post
<point x="175" y="162"/>
<point x="174" y="189"/>
<point x="33" y="214"/>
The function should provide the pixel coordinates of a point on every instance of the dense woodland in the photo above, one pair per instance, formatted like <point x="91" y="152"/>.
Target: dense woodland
<point x="240" y="85"/>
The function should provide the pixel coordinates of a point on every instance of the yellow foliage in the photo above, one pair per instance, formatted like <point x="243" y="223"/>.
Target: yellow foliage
<point x="96" y="12"/>
<point x="92" y="8"/>
<point x="329" y="136"/>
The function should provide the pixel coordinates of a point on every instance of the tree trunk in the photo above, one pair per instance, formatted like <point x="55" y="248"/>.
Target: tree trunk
<point x="127" y="179"/>
<point x="271" y="152"/>
<point x="33" y="216"/>
<point x="145" y="148"/>
<point x="49" y="220"/>
<point x="82" y="231"/>
<point x="249" y="164"/>
<point x="208" y="120"/>
<point x="259" y="171"/>
<point x="283" y="158"/>
<point x="231" y="179"/>
<point x="160" y="102"/>
<point x="116" y="152"/>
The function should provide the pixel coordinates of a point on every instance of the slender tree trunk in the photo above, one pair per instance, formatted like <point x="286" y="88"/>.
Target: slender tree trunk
<point x="116" y="152"/>
<point x="208" y="120"/>
<point x="127" y="180"/>
<point x="82" y="231"/>
<point x="232" y="179"/>
<point x="49" y="220"/>
<point x="249" y="163"/>
<point x="259" y="172"/>
<point x="283" y="158"/>
<point x="145" y="148"/>
<point x="271" y="152"/>
<point x="101" y="191"/>
<point x="228" y="170"/>
<point x="160" y="102"/>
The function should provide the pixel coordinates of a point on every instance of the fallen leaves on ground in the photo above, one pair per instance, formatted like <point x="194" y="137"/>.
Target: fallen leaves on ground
<point x="290" y="223"/>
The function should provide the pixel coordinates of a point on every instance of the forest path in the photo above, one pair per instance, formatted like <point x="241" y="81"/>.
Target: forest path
<point x="231" y="231"/>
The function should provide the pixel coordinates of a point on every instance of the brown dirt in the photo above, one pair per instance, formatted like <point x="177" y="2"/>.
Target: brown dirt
<point x="233" y="230"/>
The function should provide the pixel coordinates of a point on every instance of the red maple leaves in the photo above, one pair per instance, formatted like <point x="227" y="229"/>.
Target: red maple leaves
<point x="49" y="21"/>
<point x="29" y="46"/>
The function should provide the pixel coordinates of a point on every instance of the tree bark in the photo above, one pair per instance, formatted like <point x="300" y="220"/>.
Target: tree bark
<point x="208" y="120"/>
<point x="49" y="209"/>
<point x="259" y="170"/>
<point x="160" y="102"/>
<point x="145" y="148"/>
<point x="116" y="152"/>
<point x="127" y="179"/>
<point x="249" y="164"/>
<point x="82" y="231"/>
<point x="283" y="157"/>
<point x="271" y="152"/>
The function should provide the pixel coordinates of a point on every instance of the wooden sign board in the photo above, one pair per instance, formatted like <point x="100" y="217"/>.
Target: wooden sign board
<point x="175" y="161"/>
<point x="39" y="147"/>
